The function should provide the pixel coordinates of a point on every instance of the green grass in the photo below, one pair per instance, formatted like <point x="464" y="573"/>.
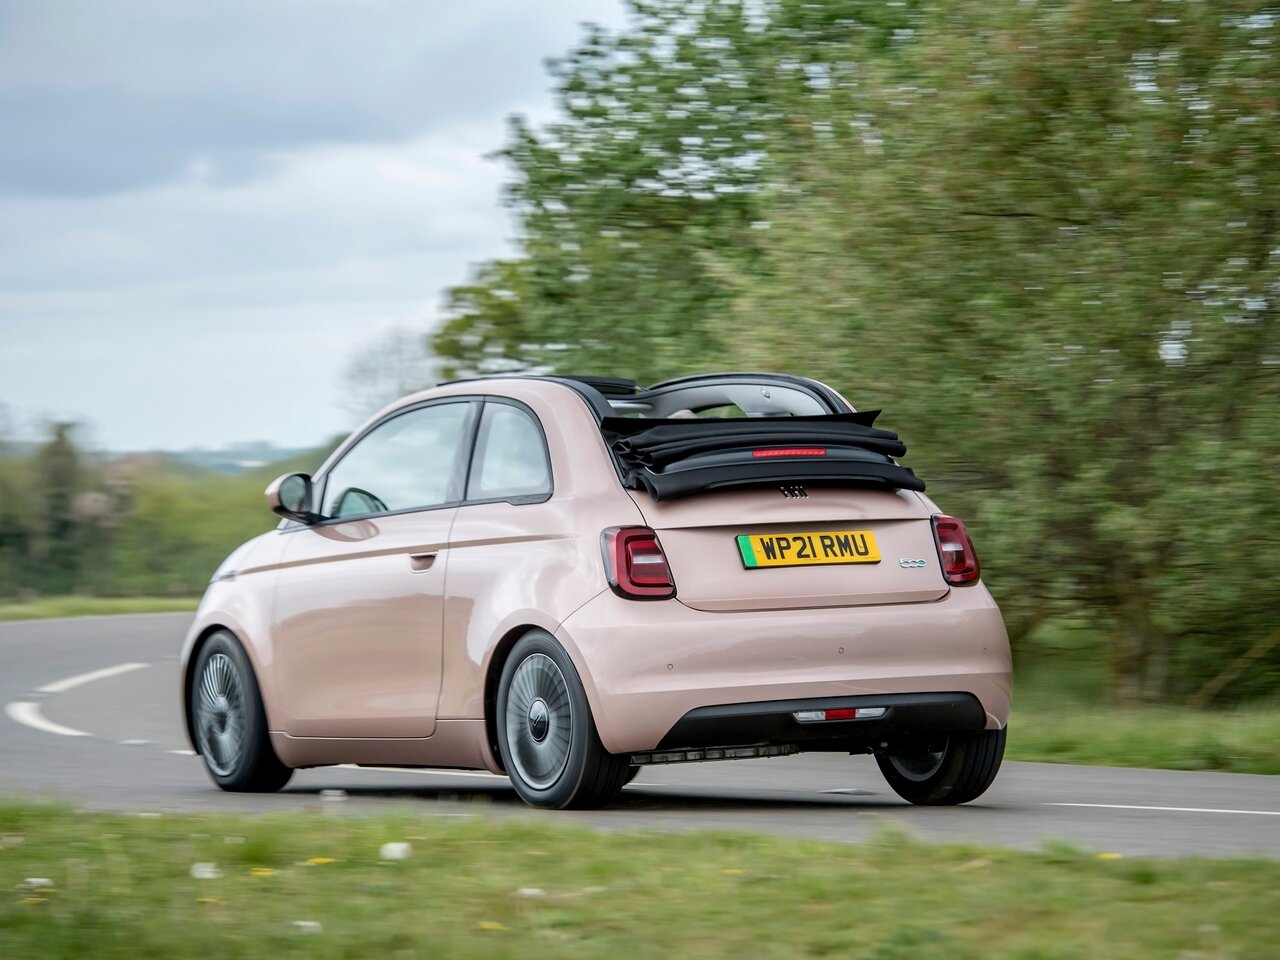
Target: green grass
<point x="1060" y="719"/>
<point x="46" y="607"/>
<point x="121" y="887"/>
<point x="1245" y="740"/>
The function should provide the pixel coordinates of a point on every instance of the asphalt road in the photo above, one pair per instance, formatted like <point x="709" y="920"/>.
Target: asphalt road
<point x="105" y="733"/>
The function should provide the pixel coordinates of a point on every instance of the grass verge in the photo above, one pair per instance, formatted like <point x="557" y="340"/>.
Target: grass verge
<point x="1245" y="740"/>
<point x="315" y="886"/>
<point x="1057" y="718"/>
<point x="48" y="607"/>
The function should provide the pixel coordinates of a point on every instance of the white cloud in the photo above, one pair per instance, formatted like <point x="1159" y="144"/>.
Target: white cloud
<point x="221" y="302"/>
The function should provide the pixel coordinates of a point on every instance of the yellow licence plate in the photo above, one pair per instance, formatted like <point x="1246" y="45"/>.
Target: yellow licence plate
<point x="807" y="549"/>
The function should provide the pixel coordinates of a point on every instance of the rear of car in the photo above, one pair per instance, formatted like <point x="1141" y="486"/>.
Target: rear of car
<point x="790" y="588"/>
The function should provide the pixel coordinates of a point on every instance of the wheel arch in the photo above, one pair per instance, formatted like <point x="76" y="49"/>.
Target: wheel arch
<point x="493" y="675"/>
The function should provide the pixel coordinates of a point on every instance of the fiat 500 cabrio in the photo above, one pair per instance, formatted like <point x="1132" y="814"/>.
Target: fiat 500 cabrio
<point x="564" y="579"/>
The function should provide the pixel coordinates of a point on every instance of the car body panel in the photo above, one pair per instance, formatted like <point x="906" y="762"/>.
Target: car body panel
<point x="356" y="631"/>
<point x="645" y="668"/>
<point x="698" y="535"/>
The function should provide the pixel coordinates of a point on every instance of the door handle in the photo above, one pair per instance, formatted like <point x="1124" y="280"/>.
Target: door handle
<point x="421" y="562"/>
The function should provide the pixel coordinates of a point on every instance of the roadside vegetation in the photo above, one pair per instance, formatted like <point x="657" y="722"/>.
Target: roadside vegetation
<point x="318" y="886"/>
<point x="1043" y="237"/>
<point x="1060" y="715"/>
<point x="43" y="608"/>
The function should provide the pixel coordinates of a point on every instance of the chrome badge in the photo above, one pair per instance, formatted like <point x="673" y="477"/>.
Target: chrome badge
<point x="909" y="563"/>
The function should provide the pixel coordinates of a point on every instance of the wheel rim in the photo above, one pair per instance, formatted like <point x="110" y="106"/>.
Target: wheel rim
<point x="220" y="714"/>
<point x="539" y="721"/>
<point x="920" y="761"/>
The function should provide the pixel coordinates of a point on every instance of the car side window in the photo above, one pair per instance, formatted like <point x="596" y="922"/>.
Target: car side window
<point x="510" y="461"/>
<point x="406" y="463"/>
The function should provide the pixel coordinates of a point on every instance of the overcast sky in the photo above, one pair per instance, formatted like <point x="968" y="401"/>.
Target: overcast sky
<point x="206" y="208"/>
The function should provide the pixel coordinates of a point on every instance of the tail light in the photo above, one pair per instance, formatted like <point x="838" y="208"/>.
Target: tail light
<point x="790" y="452"/>
<point x="955" y="550"/>
<point x="635" y="564"/>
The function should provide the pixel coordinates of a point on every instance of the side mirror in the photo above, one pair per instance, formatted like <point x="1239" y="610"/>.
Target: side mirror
<point x="290" y="497"/>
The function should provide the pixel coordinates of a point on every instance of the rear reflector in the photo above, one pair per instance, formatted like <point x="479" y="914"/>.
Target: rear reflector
<point x="635" y="565"/>
<point x="955" y="550"/>
<point x="841" y="713"/>
<point x="790" y="452"/>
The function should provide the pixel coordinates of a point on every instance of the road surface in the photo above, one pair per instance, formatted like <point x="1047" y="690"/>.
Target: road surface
<point x="91" y="717"/>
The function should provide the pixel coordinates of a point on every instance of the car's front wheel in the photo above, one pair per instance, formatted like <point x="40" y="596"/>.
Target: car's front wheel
<point x="943" y="769"/>
<point x="546" y="735"/>
<point x="229" y="722"/>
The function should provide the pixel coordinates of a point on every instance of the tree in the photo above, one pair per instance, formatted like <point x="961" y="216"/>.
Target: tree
<point x="57" y="477"/>
<point x="1045" y="237"/>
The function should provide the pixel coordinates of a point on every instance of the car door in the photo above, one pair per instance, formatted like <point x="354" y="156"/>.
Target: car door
<point x="360" y="594"/>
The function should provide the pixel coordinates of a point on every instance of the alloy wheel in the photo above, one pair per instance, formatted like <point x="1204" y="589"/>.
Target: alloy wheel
<point x="220" y="714"/>
<point x="539" y="721"/>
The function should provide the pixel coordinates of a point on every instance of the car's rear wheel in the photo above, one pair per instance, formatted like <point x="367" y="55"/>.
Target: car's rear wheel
<point x="944" y="768"/>
<point x="229" y="722"/>
<point x="546" y="735"/>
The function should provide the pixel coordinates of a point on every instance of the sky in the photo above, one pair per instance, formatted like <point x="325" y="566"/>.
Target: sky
<point x="207" y="209"/>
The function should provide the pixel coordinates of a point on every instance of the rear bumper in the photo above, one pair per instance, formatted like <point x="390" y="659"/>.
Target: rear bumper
<point x="774" y="721"/>
<point x="661" y="674"/>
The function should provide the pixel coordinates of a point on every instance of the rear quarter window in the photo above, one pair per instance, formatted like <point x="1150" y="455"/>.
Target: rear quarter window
<point x="510" y="461"/>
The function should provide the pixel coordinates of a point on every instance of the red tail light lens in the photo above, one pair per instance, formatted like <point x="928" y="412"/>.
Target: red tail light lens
<point x="635" y="564"/>
<point x="790" y="452"/>
<point x="955" y="550"/>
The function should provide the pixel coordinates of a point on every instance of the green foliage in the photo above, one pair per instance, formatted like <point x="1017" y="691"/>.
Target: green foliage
<point x="44" y="608"/>
<point x="1045" y="237"/>
<point x="1057" y="718"/>
<point x="134" y="526"/>
<point x="313" y="886"/>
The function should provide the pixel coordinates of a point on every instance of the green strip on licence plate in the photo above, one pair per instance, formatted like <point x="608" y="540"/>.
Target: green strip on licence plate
<point x="807" y="549"/>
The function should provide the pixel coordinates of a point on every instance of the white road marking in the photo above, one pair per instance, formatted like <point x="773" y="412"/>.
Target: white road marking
<point x="59" y="686"/>
<point x="484" y="774"/>
<point x="182" y="753"/>
<point x="1127" y="806"/>
<point x="28" y="714"/>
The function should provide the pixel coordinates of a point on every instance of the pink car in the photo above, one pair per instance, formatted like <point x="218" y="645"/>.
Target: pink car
<point x="564" y="579"/>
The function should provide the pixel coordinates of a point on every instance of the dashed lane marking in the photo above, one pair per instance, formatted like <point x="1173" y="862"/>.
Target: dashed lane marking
<point x="1129" y="806"/>
<point x="59" y="686"/>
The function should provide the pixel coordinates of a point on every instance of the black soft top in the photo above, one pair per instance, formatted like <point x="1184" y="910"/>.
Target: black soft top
<point x="677" y="456"/>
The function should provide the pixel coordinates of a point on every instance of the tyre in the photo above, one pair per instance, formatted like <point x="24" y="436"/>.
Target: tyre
<point x="546" y="736"/>
<point x="229" y="722"/>
<point x="943" y="769"/>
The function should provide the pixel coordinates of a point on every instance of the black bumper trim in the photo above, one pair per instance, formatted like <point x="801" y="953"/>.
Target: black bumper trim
<point x="772" y="721"/>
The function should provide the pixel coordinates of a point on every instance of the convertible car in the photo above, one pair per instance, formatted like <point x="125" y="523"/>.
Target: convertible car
<point x="563" y="579"/>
